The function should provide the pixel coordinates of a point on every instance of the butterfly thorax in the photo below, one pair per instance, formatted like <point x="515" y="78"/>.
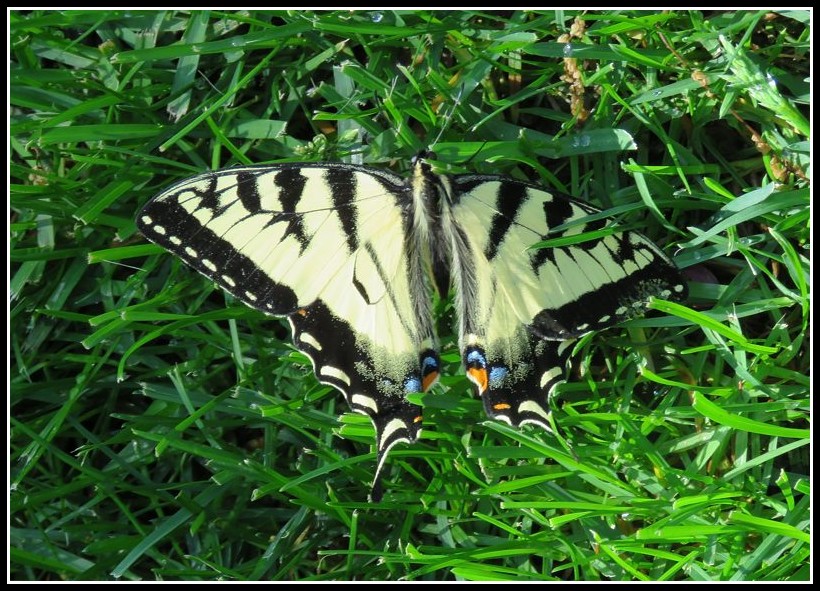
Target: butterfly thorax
<point x="431" y="194"/>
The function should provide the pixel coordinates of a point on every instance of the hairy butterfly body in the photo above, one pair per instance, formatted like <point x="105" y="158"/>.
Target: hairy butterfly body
<point x="351" y="255"/>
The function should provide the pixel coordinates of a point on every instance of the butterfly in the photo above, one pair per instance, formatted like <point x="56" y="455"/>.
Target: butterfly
<point x="352" y="255"/>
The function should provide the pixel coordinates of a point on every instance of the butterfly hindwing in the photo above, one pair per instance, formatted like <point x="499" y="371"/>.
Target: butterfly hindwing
<point x="349" y="369"/>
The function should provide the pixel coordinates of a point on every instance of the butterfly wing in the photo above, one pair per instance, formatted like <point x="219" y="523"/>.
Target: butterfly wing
<point x="518" y="304"/>
<point x="327" y="246"/>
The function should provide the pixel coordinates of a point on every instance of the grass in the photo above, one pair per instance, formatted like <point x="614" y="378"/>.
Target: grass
<point x="160" y="431"/>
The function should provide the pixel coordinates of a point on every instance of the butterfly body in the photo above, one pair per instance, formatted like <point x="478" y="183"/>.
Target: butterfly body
<point x="351" y="255"/>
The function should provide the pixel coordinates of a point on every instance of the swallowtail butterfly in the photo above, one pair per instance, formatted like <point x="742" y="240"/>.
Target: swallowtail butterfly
<point x="351" y="255"/>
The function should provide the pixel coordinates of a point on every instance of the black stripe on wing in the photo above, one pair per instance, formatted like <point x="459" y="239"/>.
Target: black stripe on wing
<point x="509" y="199"/>
<point x="168" y="224"/>
<point x="611" y="302"/>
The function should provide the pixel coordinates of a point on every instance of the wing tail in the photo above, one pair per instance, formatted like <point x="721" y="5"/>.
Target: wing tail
<point x="366" y="390"/>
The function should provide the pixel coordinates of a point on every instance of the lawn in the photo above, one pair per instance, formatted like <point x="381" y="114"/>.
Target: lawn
<point x="161" y="430"/>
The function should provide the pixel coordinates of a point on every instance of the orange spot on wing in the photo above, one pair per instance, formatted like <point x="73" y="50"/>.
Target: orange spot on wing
<point x="502" y="406"/>
<point x="479" y="377"/>
<point x="417" y="419"/>
<point x="428" y="381"/>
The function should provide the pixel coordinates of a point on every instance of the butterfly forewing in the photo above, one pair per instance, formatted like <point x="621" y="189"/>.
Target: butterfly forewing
<point x="564" y="291"/>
